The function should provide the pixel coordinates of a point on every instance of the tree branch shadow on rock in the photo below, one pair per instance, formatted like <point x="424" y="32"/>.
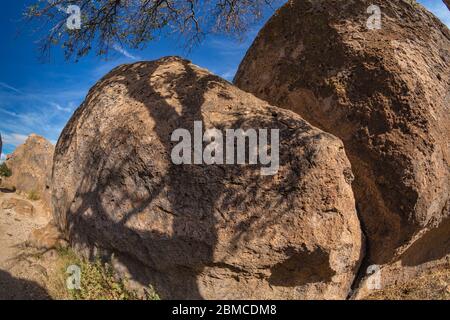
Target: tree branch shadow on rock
<point x="195" y="193"/>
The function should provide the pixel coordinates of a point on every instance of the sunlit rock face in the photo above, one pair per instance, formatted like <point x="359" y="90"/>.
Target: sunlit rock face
<point x="31" y="167"/>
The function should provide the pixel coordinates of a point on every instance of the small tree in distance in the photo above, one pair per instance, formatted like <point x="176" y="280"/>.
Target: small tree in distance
<point x="135" y="23"/>
<point x="5" y="171"/>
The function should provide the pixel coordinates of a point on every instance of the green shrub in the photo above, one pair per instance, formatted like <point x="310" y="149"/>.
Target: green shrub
<point x="5" y="171"/>
<point x="100" y="282"/>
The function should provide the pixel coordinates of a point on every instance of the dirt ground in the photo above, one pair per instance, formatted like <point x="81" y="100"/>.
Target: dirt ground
<point x="27" y="273"/>
<point x="23" y="272"/>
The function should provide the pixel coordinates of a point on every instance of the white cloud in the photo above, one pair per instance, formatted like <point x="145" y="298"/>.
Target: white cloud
<point x="7" y="86"/>
<point x="60" y="108"/>
<point x="229" y="46"/>
<point x="43" y="97"/>
<point x="14" y="138"/>
<point x="124" y="52"/>
<point x="2" y="157"/>
<point x="45" y="112"/>
<point x="9" y="113"/>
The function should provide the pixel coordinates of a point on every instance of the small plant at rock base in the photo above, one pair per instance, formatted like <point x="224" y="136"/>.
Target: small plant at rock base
<point x="99" y="281"/>
<point x="150" y="293"/>
<point x="5" y="171"/>
<point x="33" y="195"/>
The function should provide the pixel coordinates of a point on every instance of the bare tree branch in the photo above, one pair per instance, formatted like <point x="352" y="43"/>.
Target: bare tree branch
<point x="135" y="23"/>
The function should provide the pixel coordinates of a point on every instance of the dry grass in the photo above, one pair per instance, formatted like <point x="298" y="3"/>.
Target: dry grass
<point x="432" y="285"/>
<point x="33" y="196"/>
<point x="98" y="281"/>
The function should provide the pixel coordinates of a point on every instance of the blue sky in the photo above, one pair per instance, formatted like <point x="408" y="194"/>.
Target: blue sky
<point x="38" y="97"/>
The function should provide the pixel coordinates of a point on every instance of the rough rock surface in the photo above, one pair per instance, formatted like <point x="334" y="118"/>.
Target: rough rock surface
<point x="382" y="92"/>
<point x="48" y="237"/>
<point x="204" y="231"/>
<point x="22" y="207"/>
<point x="31" y="166"/>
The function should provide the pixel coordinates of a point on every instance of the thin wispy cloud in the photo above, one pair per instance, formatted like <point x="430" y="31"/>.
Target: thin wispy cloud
<point x="124" y="52"/>
<point x="14" y="138"/>
<point x="233" y="46"/>
<point x="44" y="112"/>
<point x="17" y="96"/>
<point x="7" y="86"/>
<point x="60" y="108"/>
<point x="8" y="113"/>
<point x="106" y="67"/>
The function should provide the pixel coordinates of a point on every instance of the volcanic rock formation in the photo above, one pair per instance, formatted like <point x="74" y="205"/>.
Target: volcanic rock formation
<point x="31" y="166"/>
<point x="204" y="231"/>
<point x="383" y="92"/>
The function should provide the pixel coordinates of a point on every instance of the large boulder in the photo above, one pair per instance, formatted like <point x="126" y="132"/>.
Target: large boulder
<point x="204" y="231"/>
<point x="31" y="166"/>
<point x="382" y="91"/>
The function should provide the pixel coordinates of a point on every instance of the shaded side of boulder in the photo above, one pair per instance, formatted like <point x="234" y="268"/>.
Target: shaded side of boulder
<point x="31" y="166"/>
<point x="204" y="231"/>
<point x="382" y="91"/>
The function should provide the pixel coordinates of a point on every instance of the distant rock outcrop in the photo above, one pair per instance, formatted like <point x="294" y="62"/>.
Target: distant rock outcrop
<point x="31" y="166"/>
<point x="204" y="231"/>
<point x="382" y="91"/>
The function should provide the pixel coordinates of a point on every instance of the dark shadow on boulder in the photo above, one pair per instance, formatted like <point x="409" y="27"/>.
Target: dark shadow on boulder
<point x="181" y="183"/>
<point x="195" y="193"/>
<point x="433" y="245"/>
<point x="302" y="268"/>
